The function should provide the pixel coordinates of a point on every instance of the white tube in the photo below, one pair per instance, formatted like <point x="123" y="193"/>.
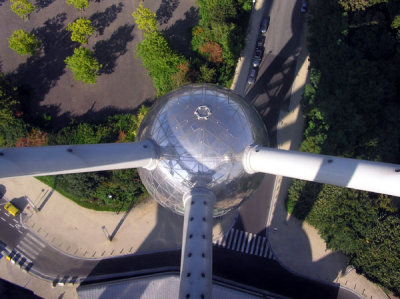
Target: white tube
<point x="196" y="260"/>
<point x="357" y="174"/>
<point x="62" y="159"/>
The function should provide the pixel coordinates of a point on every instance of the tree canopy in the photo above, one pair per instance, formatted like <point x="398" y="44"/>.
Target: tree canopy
<point x="351" y="109"/>
<point x="81" y="29"/>
<point x="79" y="4"/>
<point x="23" y="43"/>
<point x="83" y="65"/>
<point x="145" y="19"/>
<point x="23" y="8"/>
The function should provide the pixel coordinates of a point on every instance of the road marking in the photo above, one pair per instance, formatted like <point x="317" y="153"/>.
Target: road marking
<point x="244" y="241"/>
<point x="35" y="239"/>
<point x="11" y="225"/>
<point x="15" y="220"/>
<point x="227" y="238"/>
<point x="258" y="245"/>
<point x="24" y="253"/>
<point x="233" y="234"/>
<point x="30" y="242"/>
<point x="252" y="244"/>
<point x="239" y="240"/>
<point x="2" y="219"/>
<point x="26" y="248"/>
<point x="19" y="231"/>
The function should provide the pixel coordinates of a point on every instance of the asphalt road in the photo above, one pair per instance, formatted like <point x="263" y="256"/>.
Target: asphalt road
<point x="271" y="93"/>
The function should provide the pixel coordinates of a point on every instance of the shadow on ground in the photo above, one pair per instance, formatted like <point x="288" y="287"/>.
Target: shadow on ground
<point x="40" y="4"/>
<point x="180" y="33"/>
<point x="165" y="11"/>
<point x="41" y="71"/>
<point x="101" y="20"/>
<point x="108" y="51"/>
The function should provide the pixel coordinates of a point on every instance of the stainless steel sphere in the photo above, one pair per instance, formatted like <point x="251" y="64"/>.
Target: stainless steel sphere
<point x="201" y="132"/>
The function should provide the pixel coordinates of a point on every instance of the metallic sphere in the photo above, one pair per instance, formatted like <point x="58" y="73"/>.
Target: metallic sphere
<point x="201" y="132"/>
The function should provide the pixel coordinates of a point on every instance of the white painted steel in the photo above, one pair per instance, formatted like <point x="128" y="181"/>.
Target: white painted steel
<point x="62" y="159"/>
<point x="196" y="260"/>
<point x="357" y="174"/>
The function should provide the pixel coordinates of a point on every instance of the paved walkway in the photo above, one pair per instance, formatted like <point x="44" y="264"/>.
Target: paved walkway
<point x="78" y="231"/>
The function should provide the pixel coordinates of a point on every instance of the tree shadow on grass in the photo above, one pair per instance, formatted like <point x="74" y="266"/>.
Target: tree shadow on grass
<point x="42" y="71"/>
<point x="108" y="51"/>
<point x="101" y="20"/>
<point x="165" y="11"/>
<point x="40" y="4"/>
<point x="180" y="33"/>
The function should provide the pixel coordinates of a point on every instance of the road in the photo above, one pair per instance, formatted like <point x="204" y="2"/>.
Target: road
<point x="271" y="93"/>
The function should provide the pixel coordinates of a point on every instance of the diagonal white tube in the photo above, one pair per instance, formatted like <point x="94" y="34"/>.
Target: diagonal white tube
<point x="62" y="159"/>
<point x="352" y="173"/>
<point x="196" y="259"/>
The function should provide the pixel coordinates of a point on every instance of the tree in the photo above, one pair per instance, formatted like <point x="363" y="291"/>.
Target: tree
<point x="23" y="43"/>
<point x="23" y="8"/>
<point x="84" y="65"/>
<point x="160" y="61"/>
<point x="79" y="4"/>
<point x="81" y="30"/>
<point x="12" y="127"/>
<point x="145" y="19"/>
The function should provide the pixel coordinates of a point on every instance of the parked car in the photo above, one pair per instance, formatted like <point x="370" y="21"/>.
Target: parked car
<point x="303" y="6"/>
<point x="252" y="76"/>
<point x="264" y="25"/>
<point x="258" y="53"/>
<point x="260" y="41"/>
<point x="255" y="62"/>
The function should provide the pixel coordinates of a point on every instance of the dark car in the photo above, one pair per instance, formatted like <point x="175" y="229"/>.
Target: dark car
<point x="264" y="24"/>
<point x="258" y="53"/>
<point x="303" y="6"/>
<point x="260" y="41"/>
<point x="252" y="76"/>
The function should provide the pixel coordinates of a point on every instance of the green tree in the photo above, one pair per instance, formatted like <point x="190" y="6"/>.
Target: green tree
<point x="145" y="19"/>
<point x="84" y="65"/>
<point x="79" y="4"/>
<point x="160" y="61"/>
<point x="12" y="127"/>
<point x="81" y="30"/>
<point x="23" y="8"/>
<point x="23" y="43"/>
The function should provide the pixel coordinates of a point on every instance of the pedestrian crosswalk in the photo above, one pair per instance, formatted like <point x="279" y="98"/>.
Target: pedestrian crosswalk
<point x="245" y="242"/>
<point x="28" y="248"/>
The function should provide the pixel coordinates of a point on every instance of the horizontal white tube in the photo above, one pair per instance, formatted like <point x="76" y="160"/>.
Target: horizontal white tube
<point x="62" y="159"/>
<point x="352" y="173"/>
<point x="196" y="260"/>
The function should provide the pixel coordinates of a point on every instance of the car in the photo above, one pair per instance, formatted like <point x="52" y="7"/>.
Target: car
<point x="258" y="53"/>
<point x="10" y="208"/>
<point x="255" y="62"/>
<point x="264" y="25"/>
<point x="303" y="6"/>
<point x="260" y="41"/>
<point x="252" y="76"/>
